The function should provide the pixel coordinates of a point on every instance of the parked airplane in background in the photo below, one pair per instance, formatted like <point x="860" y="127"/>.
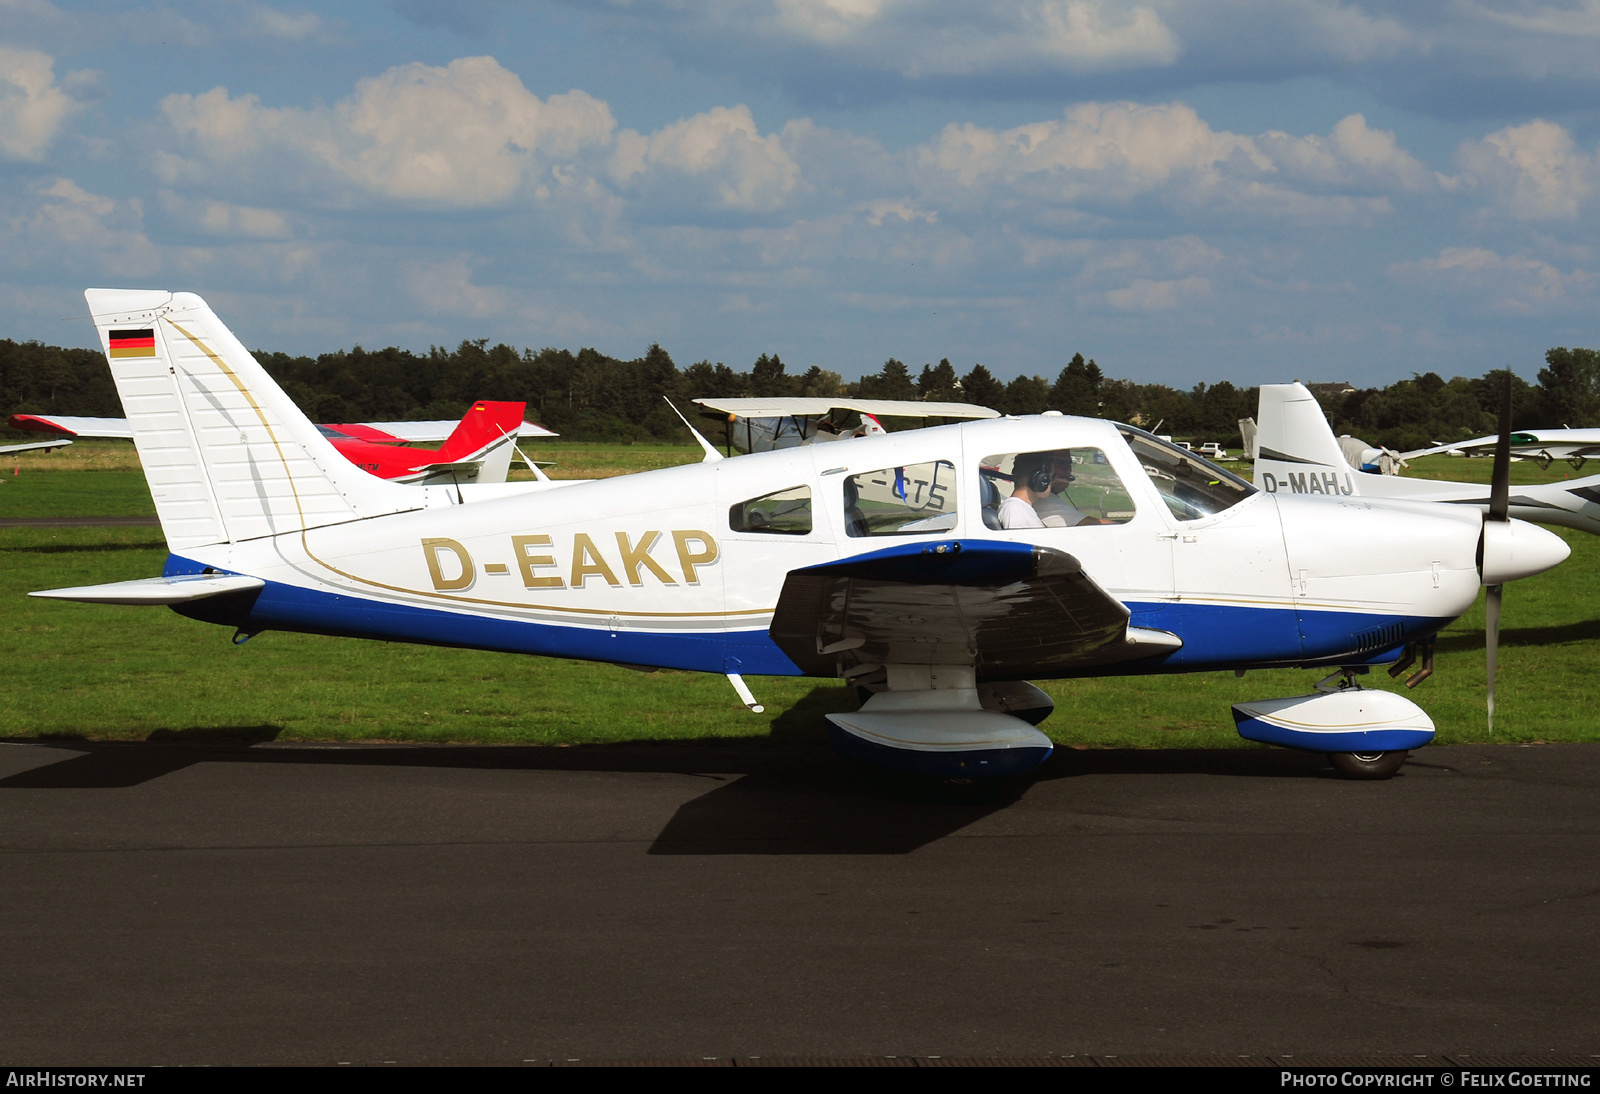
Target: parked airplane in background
<point x="1575" y="446"/>
<point x="477" y="449"/>
<point x="892" y="563"/>
<point x="1297" y="454"/>
<point x="35" y="446"/>
<point x="762" y="425"/>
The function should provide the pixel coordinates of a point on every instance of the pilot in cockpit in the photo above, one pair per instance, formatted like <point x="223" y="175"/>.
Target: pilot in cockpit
<point x="1053" y="507"/>
<point x="1038" y="479"/>
<point x="1030" y="483"/>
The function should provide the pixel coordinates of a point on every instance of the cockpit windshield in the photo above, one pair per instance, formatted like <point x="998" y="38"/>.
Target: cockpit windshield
<point x="1191" y="486"/>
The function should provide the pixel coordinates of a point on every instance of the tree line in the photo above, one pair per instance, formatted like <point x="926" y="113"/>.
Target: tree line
<point x="590" y="396"/>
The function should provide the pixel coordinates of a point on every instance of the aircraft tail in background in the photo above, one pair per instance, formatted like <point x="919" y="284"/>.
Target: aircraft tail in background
<point x="1299" y="455"/>
<point x="1295" y="449"/>
<point x="486" y="424"/>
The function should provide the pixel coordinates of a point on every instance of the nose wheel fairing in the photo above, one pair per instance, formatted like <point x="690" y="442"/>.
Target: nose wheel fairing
<point x="1350" y="720"/>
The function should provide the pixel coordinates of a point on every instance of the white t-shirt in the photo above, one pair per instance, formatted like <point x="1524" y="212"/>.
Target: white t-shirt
<point x="1016" y="513"/>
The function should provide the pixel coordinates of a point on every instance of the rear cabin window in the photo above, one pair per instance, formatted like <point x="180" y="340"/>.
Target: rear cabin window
<point x="781" y="513"/>
<point x="901" y="501"/>
<point x="1062" y="488"/>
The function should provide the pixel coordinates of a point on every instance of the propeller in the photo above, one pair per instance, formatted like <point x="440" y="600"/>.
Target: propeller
<point x="1499" y="510"/>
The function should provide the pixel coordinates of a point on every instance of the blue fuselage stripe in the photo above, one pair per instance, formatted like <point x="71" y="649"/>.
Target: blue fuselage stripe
<point x="1216" y="636"/>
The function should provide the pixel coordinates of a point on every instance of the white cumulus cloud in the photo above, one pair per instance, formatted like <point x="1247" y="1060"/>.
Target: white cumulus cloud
<point x="1516" y="284"/>
<point x="32" y="105"/>
<point x="749" y="171"/>
<point x="1108" y="154"/>
<point x="466" y="134"/>
<point x="1535" y="170"/>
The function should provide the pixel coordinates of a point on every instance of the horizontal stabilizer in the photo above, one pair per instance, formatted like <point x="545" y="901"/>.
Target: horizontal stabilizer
<point x="180" y="589"/>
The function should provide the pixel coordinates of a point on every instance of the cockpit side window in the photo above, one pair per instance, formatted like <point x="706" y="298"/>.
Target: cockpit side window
<point x="781" y="513"/>
<point x="901" y="501"/>
<point x="1191" y="486"/>
<point x="1064" y="488"/>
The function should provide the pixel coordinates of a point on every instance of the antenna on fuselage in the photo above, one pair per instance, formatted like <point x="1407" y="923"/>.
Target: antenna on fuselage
<point x="711" y="453"/>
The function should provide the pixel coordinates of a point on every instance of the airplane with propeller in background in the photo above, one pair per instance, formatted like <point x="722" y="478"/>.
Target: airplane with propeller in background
<point x="938" y="570"/>
<point x="477" y="449"/>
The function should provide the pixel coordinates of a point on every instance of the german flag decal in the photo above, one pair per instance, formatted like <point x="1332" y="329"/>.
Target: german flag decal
<point x="133" y="343"/>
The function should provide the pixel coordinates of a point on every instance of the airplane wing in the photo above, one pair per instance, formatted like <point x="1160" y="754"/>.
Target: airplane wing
<point x="8" y="449"/>
<point x="1010" y="610"/>
<point x="816" y="408"/>
<point x="64" y="426"/>
<point x="424" y="432"/>
<point x="377" y="432"/>
<point x="1559" y="444"/>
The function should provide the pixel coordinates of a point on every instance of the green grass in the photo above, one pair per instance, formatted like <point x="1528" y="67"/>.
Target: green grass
<point x="68" y="493"/>
<point x="77" y="670"/>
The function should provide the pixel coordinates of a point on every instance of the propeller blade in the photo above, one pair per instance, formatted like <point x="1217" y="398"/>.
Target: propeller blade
<point x="1500" y="485"/>
<point x="1491" y="640"/>
<point x="1499" y="509"/>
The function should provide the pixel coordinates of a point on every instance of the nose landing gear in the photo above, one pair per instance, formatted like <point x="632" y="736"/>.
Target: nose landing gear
<point x="1367" y="765"/>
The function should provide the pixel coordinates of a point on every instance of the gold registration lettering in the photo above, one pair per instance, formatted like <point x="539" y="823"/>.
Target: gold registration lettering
<point x="430" y="551"/>
<point x="639" y="555"/>
<point x="690" y="559"/>
<point x="587" y="562"/>
<point x="526" y="562"/>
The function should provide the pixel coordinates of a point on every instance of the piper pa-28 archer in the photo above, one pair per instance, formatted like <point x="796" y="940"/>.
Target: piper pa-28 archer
<point x="895" y="563"/>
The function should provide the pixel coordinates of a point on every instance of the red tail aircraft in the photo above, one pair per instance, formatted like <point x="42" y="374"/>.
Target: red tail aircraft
<point x="478" y="450"/>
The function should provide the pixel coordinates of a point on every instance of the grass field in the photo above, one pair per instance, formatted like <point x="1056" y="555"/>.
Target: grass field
<point x="75" y="670"/>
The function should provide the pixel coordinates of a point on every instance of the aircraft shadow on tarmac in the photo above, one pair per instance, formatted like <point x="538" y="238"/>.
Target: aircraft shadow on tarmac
<point x="789" y="794"/>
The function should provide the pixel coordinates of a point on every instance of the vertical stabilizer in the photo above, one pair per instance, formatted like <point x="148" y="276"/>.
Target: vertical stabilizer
<point x="228" y="455"/>
<point x="1295" y="448"/>
<point x="484" y="425"/>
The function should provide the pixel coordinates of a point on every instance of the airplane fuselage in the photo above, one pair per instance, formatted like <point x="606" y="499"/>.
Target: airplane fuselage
<point x="660" y="569"/>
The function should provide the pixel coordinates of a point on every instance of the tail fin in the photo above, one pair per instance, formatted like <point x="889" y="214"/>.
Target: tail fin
<point x="483" y="425"/>
<point x="228" y="456"/>
<point x="1296" y="449"/>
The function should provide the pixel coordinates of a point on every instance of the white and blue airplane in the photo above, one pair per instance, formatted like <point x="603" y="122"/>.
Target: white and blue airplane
<point x="895" y="563"/>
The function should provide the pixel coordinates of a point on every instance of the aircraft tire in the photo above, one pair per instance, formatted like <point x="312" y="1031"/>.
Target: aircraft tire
<point x="1367" y="765"/>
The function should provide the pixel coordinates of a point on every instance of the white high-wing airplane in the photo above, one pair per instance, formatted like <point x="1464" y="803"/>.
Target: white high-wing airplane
<point x="34" y="446"/>
<point x="762" y="425"/>
<point x="1544" y="446"/>
<point x="1297" y="454"/>
<point x="887" y="562"/>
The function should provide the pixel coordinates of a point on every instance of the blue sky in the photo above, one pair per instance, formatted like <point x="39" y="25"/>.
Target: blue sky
<point x="1251" y="190"/>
